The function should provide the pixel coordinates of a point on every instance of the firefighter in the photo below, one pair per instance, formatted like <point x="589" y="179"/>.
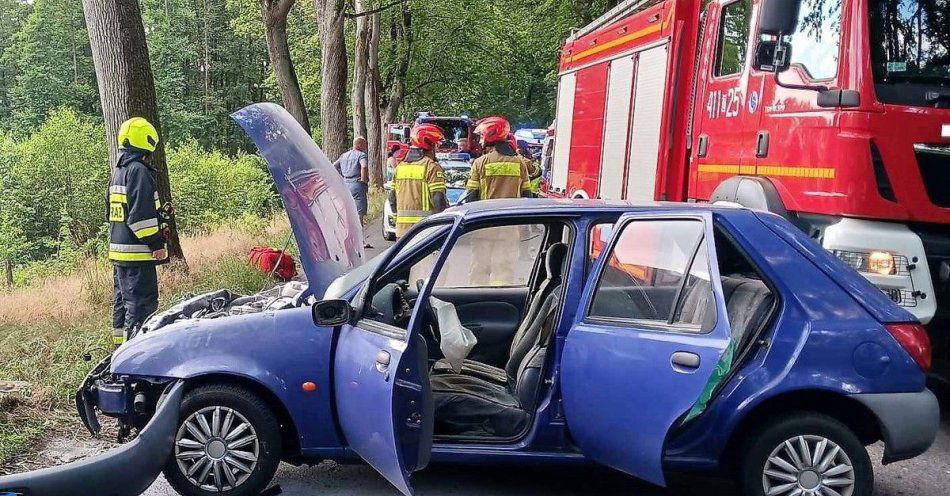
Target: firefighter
<point x="534" y="168"/>
<point x="498" y="173"/>
<point x="136" y="229"/>
<point x="419" y="182"/>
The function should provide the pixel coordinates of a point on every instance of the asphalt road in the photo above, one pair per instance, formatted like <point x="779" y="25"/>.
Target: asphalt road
<point x="927" y="475"/>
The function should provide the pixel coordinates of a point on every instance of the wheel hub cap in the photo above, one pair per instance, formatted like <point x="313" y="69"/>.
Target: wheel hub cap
<point x="216" y="448"/>
<point x="808" y="465"/>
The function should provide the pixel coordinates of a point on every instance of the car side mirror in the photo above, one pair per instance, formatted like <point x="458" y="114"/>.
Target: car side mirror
<point x="332" y="313"/>
<point x="779" y="17"/>
<point x="772" y="55"/>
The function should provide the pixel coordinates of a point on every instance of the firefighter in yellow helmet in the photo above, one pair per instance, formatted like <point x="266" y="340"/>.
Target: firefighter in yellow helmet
<point x="136" y="231"/>
<point x="419" y="182"/>
<point x="499" y="173"/>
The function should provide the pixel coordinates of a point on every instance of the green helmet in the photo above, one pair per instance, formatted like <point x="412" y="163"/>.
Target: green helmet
<point x="138" y="133"/>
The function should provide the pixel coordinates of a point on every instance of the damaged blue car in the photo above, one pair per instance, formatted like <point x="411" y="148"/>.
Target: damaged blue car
<point x="647" y="338"/>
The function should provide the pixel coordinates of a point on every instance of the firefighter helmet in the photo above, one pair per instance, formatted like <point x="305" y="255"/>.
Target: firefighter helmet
<point x="426" y="136"/>
<point x="138" y="133"/>
<point x="493" y="129"/>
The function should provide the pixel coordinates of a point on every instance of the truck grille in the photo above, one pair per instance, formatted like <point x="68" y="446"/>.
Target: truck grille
<point x="934" y="163"/>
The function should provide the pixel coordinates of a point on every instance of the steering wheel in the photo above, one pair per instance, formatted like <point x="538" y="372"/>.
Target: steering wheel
<point x="433" y="319"/>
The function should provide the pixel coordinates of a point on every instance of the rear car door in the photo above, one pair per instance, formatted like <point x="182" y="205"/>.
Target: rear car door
<point x="642" y="355"/>
<point x="381" y="383"/>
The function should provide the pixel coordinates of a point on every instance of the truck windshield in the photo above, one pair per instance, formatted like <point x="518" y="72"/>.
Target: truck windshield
<point x="910" y="49"/>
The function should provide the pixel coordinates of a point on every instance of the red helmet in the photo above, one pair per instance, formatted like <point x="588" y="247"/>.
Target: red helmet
<point x="493" y="129"/>
<point x="426" y="136"/>
<point x="513" y="142"/>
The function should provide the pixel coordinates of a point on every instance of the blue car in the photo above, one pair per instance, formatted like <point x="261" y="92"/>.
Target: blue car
<point x="647" y="338"/>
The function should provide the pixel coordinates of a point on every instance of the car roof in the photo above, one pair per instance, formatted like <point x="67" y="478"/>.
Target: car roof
<point x="537" y="206"/>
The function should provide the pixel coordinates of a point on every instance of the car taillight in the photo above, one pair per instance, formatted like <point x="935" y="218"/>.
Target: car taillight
<point x="913" y="338"/>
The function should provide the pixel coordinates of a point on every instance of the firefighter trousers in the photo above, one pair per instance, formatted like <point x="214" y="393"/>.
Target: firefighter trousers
<point x="135" y="296"/>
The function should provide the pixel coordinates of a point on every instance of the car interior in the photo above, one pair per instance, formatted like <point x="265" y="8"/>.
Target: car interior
<point x="494" y="394"/>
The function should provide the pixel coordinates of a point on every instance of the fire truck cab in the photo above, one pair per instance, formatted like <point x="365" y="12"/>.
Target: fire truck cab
<point x="832" y="113"/>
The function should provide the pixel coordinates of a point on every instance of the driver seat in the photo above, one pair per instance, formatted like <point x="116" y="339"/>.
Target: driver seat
<point x="527" y="334"/>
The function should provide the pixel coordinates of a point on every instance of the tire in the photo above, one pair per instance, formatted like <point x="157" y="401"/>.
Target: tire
<point x="388" y="236"/>
<point x="251" y="464"/>
<point x="766" y="449"/>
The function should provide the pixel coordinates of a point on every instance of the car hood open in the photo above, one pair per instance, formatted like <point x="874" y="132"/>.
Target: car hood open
<point x="322" y="213"/>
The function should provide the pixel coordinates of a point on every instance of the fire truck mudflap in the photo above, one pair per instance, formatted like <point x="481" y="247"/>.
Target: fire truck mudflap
<point x="124" y="471"/>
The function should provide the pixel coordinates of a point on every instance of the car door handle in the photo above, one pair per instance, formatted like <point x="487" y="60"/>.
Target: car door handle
<point x="685" y="360"/>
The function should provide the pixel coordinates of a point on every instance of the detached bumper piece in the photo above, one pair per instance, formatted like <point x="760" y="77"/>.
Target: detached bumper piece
<point x="124" y="471"/>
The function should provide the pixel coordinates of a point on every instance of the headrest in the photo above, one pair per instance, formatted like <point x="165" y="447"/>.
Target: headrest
<point x="554" y="262"/>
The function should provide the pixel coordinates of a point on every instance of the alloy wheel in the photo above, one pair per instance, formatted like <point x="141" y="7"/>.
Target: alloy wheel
<point x="808" y="465"/>
<point x="216" y="448"/>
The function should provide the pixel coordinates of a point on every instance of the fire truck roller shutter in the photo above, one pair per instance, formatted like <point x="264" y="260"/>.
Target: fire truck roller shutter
<point x="613" y="158"/>
<point x="565" y="125"/>
<point x="647" y="120"/>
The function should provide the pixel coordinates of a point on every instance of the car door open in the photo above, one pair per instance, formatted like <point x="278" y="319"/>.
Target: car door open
<point x="381" y="384"/>
<point x="649" y="333"/>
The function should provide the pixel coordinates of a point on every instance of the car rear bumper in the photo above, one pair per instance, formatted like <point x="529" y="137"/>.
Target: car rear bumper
<point x="909" y="421"/>
<point x="127" y="470"/>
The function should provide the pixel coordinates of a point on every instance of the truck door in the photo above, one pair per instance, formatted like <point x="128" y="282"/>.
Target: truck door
<point x="726" y="92"/>
<point x="653" y="323"/>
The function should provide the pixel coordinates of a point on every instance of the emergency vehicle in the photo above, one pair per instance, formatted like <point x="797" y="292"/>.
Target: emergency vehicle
<point x="455" y="128"/>
<point x="832" y="113"/>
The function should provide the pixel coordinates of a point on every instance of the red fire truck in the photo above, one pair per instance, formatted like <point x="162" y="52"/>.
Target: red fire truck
<point x="832" y="113"/>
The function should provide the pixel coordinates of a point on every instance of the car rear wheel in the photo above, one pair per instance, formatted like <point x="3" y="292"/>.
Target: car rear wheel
<point x="805" y="454"/>
<point x="227" y="443"/>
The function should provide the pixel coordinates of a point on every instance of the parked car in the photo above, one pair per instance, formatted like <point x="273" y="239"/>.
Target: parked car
<point x="457" y="167"/>
<point x="701" y="338"/>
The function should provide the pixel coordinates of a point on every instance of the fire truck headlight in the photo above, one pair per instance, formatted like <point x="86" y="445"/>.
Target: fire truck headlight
<point x="881" y="262"/>
<point x="875" y="262"/>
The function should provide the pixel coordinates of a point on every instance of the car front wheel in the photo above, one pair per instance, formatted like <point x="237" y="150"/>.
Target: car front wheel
<point x="227" y="443"/>
<point x="807" y="454"/>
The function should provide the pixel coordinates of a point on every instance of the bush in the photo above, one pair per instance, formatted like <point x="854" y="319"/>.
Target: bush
<point x="210" y="188"/>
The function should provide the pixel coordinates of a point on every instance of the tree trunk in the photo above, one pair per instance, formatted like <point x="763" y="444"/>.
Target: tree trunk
<point x="394" y="92"/>
<point x="9" y="272"/>
<point x="374" y="126"/>
<point x="278" y="50"/>
<point x="333" y="77"/>
<point x="360" y="69"/>
<point x="126" y="84"/>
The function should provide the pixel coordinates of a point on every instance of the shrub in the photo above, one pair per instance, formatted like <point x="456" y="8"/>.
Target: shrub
<point x="210" y="188"/>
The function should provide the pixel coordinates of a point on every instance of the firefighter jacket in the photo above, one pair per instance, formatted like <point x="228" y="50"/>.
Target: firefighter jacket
<point x="495" y="175"/>
<point x="132" y="209"/>
<point x="420" y="190"/>
<point x="534" y="174"/>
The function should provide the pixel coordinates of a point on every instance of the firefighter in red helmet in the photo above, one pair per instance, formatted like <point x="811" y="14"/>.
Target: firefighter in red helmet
<point x="419" y="182"/>
<point x="499" y="173"/>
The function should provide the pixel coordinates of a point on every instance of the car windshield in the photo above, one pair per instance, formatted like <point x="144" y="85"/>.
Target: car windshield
<point x="454" y="129"/>
<point x="910" y="42"/>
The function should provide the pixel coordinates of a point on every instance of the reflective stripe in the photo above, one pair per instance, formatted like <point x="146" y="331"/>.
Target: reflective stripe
<point x="142" y="224"/>
<point x="406" y="171"/>
<point x="121" y="248"/>
<point x="117" y="189"/>
<point x="503" y="169"/>
<point x="144" y="233"/>
<point x="472" y="184"/>
<point x="131" y="257"/>
<point x="403" y="219"/>
<point x="436" y="186"/>
<point x="526" y="186"/>
<point x="117" y="198"/>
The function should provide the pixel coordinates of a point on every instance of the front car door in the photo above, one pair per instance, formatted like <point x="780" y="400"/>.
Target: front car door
<point x="642" y="354"/>
<point x="381" y="384"/>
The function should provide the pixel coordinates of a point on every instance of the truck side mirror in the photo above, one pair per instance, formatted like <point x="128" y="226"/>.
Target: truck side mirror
<point x="331" y="313"/>
<point x="772" y="55"/>
<point x="779" y="17"/>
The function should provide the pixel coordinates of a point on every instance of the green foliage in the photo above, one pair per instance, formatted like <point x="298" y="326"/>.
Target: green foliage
<point x="50" y="62"/>
<point x="210" y="187"/>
